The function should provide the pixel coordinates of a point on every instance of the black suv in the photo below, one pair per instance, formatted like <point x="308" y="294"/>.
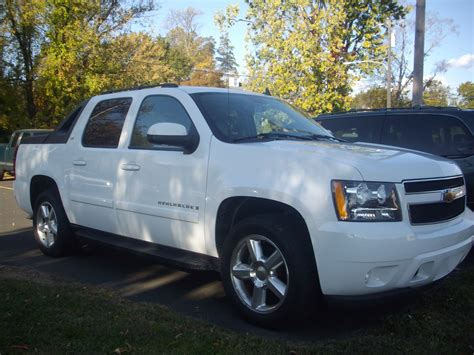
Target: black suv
<point x="443" y="131"/>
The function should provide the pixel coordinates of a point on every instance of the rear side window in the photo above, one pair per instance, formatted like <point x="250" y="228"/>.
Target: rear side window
<point x="67" y="124"/>
<point x="436" y="134"/>
<point x="355" y="129"/>
<point x="105" y="123"/>
<point x="157" y="109"/>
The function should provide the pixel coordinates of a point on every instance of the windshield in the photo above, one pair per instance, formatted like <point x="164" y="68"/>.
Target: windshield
<point x="234" y="117"/>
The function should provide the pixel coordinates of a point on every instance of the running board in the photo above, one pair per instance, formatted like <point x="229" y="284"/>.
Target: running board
<point x="175" y="257"/>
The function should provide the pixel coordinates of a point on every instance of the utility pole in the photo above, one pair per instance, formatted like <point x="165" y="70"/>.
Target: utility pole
<point x="389" y="64"/>
<point x="419" y="53"/>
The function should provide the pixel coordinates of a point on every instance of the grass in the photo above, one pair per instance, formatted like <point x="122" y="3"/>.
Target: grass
<point x="52" y="317"/>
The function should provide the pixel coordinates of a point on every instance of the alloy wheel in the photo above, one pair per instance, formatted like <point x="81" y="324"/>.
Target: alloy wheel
<point x="259" y="274"/>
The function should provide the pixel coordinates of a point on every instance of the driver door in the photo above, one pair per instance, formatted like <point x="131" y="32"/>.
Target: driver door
<point x="160" y="192"/>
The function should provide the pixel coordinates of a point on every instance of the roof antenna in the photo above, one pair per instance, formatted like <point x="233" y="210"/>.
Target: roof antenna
<point x="267" y="92"/>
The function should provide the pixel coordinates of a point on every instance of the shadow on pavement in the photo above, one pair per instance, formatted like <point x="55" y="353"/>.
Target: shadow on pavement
<point x="197" y="294"/>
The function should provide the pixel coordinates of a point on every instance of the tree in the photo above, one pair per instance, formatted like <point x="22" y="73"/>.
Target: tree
<point x="56" y="52"/>
<point x="376" y="97"/>
<point x="435" y="94"/>
<point x="183" y="35"/>
<point x="466" y="93"/>
<point x="301" y="48"/>
<point x="437" y="28"/>
<point x="20" y="24"/>
<point x="83" y="53"/>
<point x="225" y="55"/>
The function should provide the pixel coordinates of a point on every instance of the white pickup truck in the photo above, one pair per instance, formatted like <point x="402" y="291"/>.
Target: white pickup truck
<point x="244" y="184"/>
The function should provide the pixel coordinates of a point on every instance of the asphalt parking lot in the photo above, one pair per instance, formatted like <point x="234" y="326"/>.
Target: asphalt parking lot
<point x="197" y="294"/>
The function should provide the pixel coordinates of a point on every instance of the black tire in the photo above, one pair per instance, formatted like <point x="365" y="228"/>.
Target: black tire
<point x="2" y="175"/>
<point x="64" y="242"/>
<point x="298" y="271"/>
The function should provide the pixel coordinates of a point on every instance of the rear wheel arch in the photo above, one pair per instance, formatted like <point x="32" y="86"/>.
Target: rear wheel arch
<point x="39" y="184"/>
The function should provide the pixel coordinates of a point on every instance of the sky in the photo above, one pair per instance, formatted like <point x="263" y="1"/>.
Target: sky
<point x="456" y="49"/>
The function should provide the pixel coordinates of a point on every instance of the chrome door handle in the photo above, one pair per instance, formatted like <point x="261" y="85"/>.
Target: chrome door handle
<point x="79" y="163"/>
<point x="130" y="167"/>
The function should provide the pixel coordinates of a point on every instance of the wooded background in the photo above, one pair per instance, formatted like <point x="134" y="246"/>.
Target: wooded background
<point x="56" y="53"/>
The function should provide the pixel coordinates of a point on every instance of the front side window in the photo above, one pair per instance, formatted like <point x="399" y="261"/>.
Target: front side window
<point x="436" y="134"/>
<point x="157" y="109"/>
<point x="105" y="123"/>
<point x="235" y="116"/>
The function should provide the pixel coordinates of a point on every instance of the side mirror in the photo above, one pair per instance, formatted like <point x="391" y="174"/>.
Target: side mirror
<point x="173" y="134"/>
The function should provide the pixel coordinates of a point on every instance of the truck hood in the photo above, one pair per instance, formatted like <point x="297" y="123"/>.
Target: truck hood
<point x="374" y="162"/>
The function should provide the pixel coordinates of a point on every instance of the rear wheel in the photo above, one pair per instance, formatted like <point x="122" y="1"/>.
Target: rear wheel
<point x="51" y="226"/>
<point x="269" y="271"/>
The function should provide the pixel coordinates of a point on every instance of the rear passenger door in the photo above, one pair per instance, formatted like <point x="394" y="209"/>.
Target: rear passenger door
<point x="356" y="128"/>
<point x="93" y="159"/>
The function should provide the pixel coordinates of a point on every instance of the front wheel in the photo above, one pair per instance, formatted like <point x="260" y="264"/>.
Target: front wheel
<point x="269" y="271"/>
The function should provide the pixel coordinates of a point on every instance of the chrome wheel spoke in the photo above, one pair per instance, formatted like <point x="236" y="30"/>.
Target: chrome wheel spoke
<point x="41" y="227"/>
<point x="53" y="226"/>
<point x="241" y="271"/>
<point x="44" y="212"/>
<point x="277" y="287"/>
<point x="51" y="214"/>
<point x="46" y="224"/>
<point x="259" y="297"/>
<point x="50" y="238"/>
<point x="47" y="239"/>
<point x="274" y="260"/>
<point x="255" y="249"/>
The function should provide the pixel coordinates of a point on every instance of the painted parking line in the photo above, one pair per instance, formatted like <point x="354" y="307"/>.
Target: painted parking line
<point x="6" y="188"/>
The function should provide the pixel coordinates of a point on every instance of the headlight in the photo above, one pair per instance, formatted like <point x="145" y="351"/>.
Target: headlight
<point x="360" y="201"/>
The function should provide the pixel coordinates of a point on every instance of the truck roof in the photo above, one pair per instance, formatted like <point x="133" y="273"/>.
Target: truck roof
<point x="187" y="89"/>
<point x="33" y="130"/>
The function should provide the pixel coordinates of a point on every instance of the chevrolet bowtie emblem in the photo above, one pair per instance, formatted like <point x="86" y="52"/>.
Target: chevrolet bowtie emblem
<point x="452" y="194"/>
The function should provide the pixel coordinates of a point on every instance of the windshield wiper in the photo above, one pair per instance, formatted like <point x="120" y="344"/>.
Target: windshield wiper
<point x="456" y="156"/>
<point x="323" y="136"/>
<point x="273" y="136"/>
<point x="288" y="135"/>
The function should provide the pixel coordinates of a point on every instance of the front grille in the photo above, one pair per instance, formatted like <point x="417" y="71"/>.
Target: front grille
<point x="436" y="212"/>
<point x="432" y="185"/>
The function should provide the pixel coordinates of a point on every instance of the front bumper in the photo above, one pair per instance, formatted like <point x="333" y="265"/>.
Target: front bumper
<point x="356" y="259"/>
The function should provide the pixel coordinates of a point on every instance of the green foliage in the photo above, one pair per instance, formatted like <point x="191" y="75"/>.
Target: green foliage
<point x="20" y="30"/>
<point x="86" y="53"/>
<point x="466" y="93"/>
<point x="225" y="55"/>
<point x="301" y="48"/>
<point x="376" y="97"/>
<point x="183" y="35"/>
<point x="435" y="93"/>
<point x="56" y="53"/>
